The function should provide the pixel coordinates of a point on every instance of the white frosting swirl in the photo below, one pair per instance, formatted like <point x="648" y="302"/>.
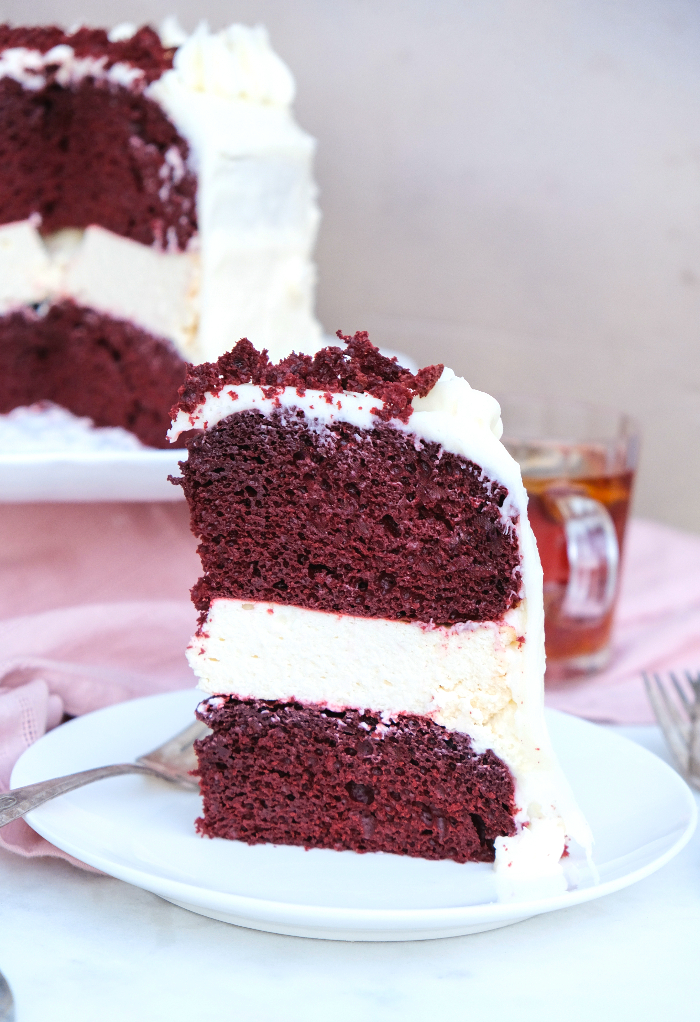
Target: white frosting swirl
<point x="453" y="396"/>
<point x="236" y="63"/>
<point x="121" y="32"/>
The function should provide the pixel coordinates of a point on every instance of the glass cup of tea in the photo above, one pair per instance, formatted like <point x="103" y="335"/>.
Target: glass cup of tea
<point x="578" y="462"/>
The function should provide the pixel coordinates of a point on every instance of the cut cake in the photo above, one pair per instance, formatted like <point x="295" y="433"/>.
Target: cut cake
<point x="371" y="620"/>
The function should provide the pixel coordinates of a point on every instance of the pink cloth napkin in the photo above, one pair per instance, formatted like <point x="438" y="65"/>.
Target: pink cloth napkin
<point x="79" y="659"/>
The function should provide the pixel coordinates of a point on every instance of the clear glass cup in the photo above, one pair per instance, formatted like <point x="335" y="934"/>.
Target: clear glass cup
<point x="578" y="462"/>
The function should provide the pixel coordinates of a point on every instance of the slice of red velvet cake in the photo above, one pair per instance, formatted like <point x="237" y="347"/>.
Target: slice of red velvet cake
<point x="371" y="630"/>
<point x="156" y="203"/>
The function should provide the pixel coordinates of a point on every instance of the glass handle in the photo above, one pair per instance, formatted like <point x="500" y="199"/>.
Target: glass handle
<point x="593" y="553"/>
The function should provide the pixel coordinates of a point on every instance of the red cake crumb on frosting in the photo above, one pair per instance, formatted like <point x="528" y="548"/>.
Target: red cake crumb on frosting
<point x="360" y="368"/>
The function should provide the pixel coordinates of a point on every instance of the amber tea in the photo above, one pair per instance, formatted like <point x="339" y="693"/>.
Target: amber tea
<point x="579" y="481"/>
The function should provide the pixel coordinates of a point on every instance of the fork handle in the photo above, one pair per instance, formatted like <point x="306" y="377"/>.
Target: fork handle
<point x="15" y="803"/>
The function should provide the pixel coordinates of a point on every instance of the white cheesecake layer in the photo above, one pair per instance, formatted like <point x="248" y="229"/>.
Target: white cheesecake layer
<point x="470" y="678"/>
<point x="24" y="263"/>
<point x="157" y="291"/>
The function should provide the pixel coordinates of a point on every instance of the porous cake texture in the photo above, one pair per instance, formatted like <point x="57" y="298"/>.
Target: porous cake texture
<point x="371" y="624"/>
<point x="368" y="525"/>
<point x="308" y="775"/>
<point x="156" y="188"/>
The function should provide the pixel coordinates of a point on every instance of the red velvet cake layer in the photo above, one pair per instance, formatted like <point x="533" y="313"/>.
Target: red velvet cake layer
<point x="347" y="520"/>
<point x="303" y="775"/>
<point x="95" y="153"/>
<point x="109" y="370"/>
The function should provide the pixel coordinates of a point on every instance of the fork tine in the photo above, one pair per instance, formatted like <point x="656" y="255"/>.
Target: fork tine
<point x="668" y="720"/>
<point x="694" y="756"/>
<point x="681" y="723"/>
<point x="680" y="690"/>
<point x="694" y="737"/>
<point x="652" y="685"/>
<point x="694" y="682"/>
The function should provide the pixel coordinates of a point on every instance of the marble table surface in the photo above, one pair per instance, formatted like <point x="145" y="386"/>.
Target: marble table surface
<point x="83" y="947"/>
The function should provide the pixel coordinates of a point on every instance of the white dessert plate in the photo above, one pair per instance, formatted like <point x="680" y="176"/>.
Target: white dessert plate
<point x="141" y="830"/>
<point x="49" y="454"/>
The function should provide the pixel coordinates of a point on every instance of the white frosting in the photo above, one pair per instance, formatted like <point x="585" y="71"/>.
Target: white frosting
<point x="475" y="679"/>
<point x="171" y="32"/>
<point x="250" y="271"/>
<point x="236" y="63"/>
<point x="29" y="68"/>
<point x="46" y="428"/>
<point x="229" y="95"/>
<point x="121" y="32"/>
<point x="535" y="850"/>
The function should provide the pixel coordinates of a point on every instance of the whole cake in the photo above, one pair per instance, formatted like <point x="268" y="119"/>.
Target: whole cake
<point x="156" y="204"/>
<point x="371" y="619"/>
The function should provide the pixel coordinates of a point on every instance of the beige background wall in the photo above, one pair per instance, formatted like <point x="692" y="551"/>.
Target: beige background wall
<point x="510" y="187"/>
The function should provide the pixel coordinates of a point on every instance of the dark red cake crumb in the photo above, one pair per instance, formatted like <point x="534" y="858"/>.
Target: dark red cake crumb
<point x="348" y="521"/>
<point x="285" y="773"/>
<point x="359" y="368"/>
<point x="91" y="364"/>
<point x="95" y="153"/>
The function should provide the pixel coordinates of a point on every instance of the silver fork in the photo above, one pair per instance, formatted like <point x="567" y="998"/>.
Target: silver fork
<point x="172" y="761"/>
<point x="677" y="709"/>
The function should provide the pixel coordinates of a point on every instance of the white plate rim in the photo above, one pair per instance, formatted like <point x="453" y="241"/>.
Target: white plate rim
<point x="300" y="914"/>
<point x="147" y="454"/>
